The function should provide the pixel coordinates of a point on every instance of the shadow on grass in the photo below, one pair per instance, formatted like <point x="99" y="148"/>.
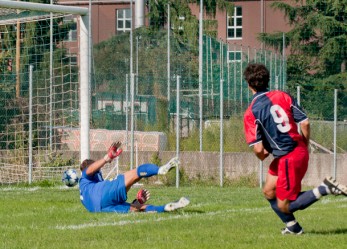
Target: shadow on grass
<point x="329" y="232"/>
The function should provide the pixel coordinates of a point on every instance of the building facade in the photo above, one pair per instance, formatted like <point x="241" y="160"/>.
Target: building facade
<point x="251" y="17"/>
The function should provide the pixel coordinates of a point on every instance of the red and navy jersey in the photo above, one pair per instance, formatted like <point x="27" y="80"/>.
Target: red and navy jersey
<point x="271" y="119"/>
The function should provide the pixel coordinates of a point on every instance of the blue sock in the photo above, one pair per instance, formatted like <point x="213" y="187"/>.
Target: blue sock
<point x="157" y="209"/>
<point x="147" y="170"/>
<point x="283" y="216"/>
<point x="304" y="200"/>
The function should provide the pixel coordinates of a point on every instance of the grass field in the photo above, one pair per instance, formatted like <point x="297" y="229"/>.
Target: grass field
<point x="52" y="217"/>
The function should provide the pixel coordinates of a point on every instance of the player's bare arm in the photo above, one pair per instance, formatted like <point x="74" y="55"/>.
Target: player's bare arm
<point x="260" y="151"/>
<point x="95" y="167"/>
<point x="305" y="131"/>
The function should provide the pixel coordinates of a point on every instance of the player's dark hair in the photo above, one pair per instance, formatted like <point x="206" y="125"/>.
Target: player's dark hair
<point x="257" y="76"/>
<point x="86" y="163"/>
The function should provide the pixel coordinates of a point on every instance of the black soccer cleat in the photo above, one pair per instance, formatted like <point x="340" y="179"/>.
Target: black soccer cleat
<point x="334" y="187"/>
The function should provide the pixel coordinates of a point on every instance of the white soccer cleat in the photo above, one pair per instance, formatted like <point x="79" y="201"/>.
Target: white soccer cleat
<point x="174" y="162"/>
<point x="288" y="231"/>
<point x="334" y="187"/>
<point x="295" y="229"/>
<point x="181" y="203"/>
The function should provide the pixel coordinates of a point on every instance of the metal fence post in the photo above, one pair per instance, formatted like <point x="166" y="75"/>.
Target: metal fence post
<point x="132" y="121"/>
<point x="178" y="128"/>
<point x="30" y="123"/>
<point x="221" y="134"/>
<point x="335" y="131"/>
<point x="127" y="110"/>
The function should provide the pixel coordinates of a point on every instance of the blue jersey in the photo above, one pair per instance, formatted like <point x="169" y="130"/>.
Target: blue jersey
<point x="91" y="188"/>
<point x="271" y="119"/>
<point x="98" y="195"/>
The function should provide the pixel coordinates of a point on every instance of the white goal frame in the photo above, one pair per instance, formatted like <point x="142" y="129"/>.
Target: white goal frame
<point x="84" y="54"/>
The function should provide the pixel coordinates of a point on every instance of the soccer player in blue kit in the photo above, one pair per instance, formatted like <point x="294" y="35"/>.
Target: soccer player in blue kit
<point x="99" y="195"/>
<point x="270" y="125"/>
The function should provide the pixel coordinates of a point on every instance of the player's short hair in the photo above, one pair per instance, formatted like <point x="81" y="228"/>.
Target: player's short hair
<point x="86" y="163"/>
<point x="257" y="76"/>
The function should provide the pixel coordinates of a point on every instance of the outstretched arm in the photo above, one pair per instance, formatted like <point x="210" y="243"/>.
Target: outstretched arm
<point x="95" y="166"/>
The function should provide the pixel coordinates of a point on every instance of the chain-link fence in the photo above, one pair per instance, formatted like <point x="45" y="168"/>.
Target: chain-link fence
<point x="229" y="161"/>
<point x="150" y="101"/>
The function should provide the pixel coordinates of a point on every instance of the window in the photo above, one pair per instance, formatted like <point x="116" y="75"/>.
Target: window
<point x="71" y="22"/>
<point x="70" y="59"/>
<point x="234" y="25"/>
<point x="123" y="20"/>
<point x="73" y="59"/>
<point x="234" y="56"/>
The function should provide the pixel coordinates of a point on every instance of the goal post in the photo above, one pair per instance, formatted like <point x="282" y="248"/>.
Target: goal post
<point x="44" y="7"/>
<point x="81" y="95"/>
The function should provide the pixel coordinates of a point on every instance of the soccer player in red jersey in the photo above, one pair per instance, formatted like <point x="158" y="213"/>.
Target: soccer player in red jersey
<point x="270" y="125"/>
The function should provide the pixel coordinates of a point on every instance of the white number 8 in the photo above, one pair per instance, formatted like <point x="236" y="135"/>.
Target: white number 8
<point x="280" y="117"/>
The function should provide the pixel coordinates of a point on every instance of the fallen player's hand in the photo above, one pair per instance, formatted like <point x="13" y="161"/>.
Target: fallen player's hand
<point x="113" y="152"/>
<point x="143" y="195"/>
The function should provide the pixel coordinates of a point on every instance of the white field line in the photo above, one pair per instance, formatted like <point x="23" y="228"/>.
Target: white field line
<point x="174" y="217"/>
<point x="15" y="189"/>
<point x="326" y="201"/>
<point x="33" y="189"/>
<point x="187" y="216"/>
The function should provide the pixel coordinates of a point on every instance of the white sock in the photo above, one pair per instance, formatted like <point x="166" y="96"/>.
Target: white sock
<point x="291" y="223"/>
<point x="161" y="168"/>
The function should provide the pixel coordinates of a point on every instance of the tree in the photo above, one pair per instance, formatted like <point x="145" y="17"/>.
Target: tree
<point x="318" y="52"/>
<point x="319" y="31"/>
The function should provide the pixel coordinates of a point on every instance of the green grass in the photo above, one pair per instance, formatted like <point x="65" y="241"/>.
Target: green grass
<point x="44" y="217"/>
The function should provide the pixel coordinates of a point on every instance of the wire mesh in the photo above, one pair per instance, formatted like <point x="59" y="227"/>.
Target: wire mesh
<point x="54" y="98"/>
<point x="315" y="61"/>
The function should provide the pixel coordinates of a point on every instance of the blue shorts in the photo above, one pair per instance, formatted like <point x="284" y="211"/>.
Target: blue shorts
<point x="114" y="196"/>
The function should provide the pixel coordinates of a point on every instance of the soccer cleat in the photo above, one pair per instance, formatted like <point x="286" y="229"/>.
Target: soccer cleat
<point x="181" y="203"/>
<point x="295" y="229"/>
<point x="334" y="187"/>
<point x="288" y="231"/>
<point x="167" y="167"/>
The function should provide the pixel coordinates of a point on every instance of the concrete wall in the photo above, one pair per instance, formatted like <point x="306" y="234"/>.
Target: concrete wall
<point x="101" y="139"/>
<point x="205" y="165"/>
<point x="196" y="165"/>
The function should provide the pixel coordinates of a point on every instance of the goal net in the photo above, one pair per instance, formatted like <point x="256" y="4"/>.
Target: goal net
<point x="39" y="94"/>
